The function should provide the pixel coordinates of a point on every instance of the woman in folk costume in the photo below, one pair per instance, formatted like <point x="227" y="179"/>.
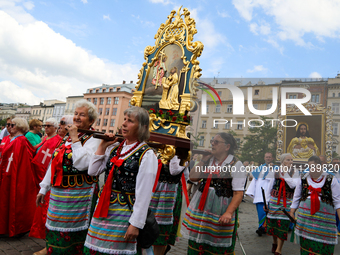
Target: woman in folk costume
<point x="166" y="203"/>
<point x="73" y="191"/>
<point x="40" y="164"/>
<point x="130" y="169"/>
<point x="283" y="181"/>
<point x="317" y="197"/>
<point x="17" y="187"/>
<point x="210" y="222"/>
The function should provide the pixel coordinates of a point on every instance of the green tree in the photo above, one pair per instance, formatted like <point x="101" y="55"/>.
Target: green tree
<point x="195" y="139"/>
<point x="259" y="141"/>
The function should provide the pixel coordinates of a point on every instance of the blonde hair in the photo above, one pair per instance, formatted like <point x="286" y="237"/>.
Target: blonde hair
<point x="21" y="124"/>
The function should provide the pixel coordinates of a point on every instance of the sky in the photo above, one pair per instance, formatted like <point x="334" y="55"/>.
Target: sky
<point x="54" y="49"/>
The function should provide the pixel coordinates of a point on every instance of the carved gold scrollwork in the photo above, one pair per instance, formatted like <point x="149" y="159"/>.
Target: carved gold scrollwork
<point x="329" y="134"/>
<point x="167" y="153"/>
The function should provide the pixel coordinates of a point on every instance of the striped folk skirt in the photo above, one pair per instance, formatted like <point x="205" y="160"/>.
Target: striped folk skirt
<point x="68" y="218"/>
<point x="202" y="227"/>
<point x="277" y="222"/>
<point x="168" y="232"/>
<point x="318" y="232"/>
<point x="106" y="235"/>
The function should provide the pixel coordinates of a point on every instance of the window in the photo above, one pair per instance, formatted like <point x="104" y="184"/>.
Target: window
<point x="219" y="93"/>
<point x="229" y="108"/>
<point x="334" y="148"/>
<point x="227" y="125"/>
<point x="100" y="111"/>
<point x="257" y="92"/>
<point x="112" y="123"/>
<point x="104" y="130"/>
<point x="89" y="99"/>
<point x="39" y="111"/>
<point x="292" y="96"/>
<point x="333" y="94"/>
<point x="107" y="111"/>
<point x="256" y="106"/>
<point x="239" y="125"/>
<point x="338" y="94"/>
<point x="118" y="89"/>
<point x="116" y="100"/>
<point x="335" y="129"/>
<point x="105" y="122"/>
<point x="315" y="98"/>
<point x="218" y="108"/>
<point x="109" y="100"/>
<point x="204" y="124"/>
<point x="201" y="142"/>
<point x="238" y="140"/>
<point x="215" y="125"/>
<point x="207" y="108"/>
<point x="335" y="108"/>
<point x="104" y="90"/>
<point x="114" y="111"/>
<point x="95" y="101"/>
<point x="102" y="100"/>
<point x="98" y="122"/>
<point x="269" y="106"/>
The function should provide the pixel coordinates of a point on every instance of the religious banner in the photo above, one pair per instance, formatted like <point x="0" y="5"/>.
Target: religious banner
<point x="306" y="136"/>
<point x="166" y="84"/>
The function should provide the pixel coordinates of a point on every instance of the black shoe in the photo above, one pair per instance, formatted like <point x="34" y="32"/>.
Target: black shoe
<point x="168" y="248"/>
<point x="259" y="232"/>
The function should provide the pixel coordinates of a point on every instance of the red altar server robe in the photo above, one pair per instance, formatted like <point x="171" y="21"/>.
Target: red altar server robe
<point x="17" y="188"/>
<point x="40" y="164"/>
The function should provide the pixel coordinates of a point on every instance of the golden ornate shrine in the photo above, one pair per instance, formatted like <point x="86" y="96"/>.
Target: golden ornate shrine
<point x="319" y="126"/>
<point x="166" y="84"/>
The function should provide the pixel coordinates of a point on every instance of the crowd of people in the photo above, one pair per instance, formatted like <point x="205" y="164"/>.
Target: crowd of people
<point x="49" y="187"/>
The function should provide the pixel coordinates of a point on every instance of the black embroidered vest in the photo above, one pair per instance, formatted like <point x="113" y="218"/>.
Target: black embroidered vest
<point x="326" y="190"/>
<point x="276" y="189"/>
<point x="222" y="185"/>
<point x="165" y="175"/>
<point x="72" y="176"/>
<point x="126" y="175"/>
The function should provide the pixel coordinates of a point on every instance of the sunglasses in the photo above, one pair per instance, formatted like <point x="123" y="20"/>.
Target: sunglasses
<point x="62" y="122"/>
<point x="48" y="126"/>
<point x="215" y="142"/>
<point x="12" y="125"/>
<point x="8" y="124"/>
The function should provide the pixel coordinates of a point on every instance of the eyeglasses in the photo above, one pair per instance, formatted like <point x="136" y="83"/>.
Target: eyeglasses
<point x="48" y="126"/>
<point x="215" y="142"/>
<point x="12" y="125"/>
<point x="62" y="122"/>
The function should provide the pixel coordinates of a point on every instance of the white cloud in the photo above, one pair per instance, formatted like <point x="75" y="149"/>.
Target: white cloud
<point x="84" y="1"/>
<point x="259" y="68"/>
<point x="209" y="36"/>
<point x="36" y="59"/>
<point x="106" y="17"/>
<point x="295" y="18"/>
<point x="145" y="23"/>
<point x="275" y="44"/>
<point x="315" y="75"/>
<point x="12" y="93"/>
<point x="165" y="2"/>
<point x="223" y="14"/>
<point x="28" y="5"/>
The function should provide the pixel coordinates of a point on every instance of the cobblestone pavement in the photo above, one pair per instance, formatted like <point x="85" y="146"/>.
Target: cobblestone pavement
<point x="252" y="243"/>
